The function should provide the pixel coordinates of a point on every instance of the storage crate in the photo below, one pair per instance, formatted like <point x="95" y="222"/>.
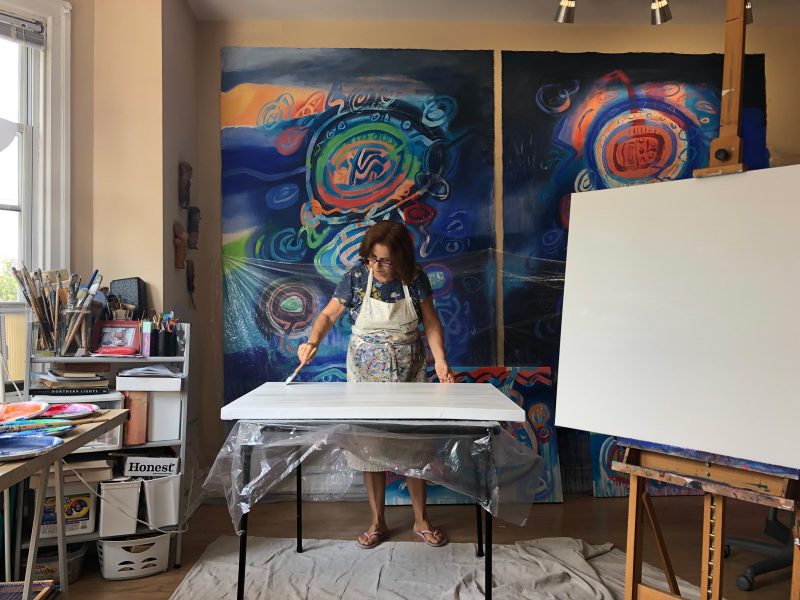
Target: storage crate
<point x="46" y="564"/>
<point x="129" y="559"/>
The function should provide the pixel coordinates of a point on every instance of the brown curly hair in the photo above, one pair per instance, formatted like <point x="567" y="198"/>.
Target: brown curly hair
<point x="396" y="236"/>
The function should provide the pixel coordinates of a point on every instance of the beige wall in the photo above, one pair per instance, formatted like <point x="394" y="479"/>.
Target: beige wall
<point x="179" y="33"/>
<point x="82" y="135"/>
<point x="128" y="215"/>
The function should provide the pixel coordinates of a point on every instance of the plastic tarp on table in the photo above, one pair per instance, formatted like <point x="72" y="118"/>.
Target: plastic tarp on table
<point x="479" y="459"/>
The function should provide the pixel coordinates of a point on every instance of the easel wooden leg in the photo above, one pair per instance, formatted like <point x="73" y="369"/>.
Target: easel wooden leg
<point x="795" y="593"/>
<point x="669" y="572"/>
<point x="633" y="552"/>
<point x="713" y="541"/>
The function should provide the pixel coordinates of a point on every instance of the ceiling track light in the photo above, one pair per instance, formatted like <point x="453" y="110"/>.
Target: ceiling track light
<point x="748" y="13"/>
<point x="660" y="12"/>
<point x="565" y="12"/>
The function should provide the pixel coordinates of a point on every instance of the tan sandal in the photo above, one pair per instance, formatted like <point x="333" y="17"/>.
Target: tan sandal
<point x="373" y="539"/>
<point x="435" y="533"/>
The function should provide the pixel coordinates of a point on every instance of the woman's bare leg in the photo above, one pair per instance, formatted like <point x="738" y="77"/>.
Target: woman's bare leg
<point x="418" y="489"/>
<point x="375" y="482"/>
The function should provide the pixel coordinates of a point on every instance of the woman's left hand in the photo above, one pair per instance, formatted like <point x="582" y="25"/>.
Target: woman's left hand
<point x="444" y="372"/>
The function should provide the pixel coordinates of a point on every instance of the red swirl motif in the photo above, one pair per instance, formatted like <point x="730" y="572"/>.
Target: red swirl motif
<point x="418" y="214"/>
<point x="290" y="140"/>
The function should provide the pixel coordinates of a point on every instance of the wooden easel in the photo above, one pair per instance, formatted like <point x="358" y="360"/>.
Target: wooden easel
<point x="719" y="481"/>
<point x="726" y="150"/>
<point x="772" y="487"/>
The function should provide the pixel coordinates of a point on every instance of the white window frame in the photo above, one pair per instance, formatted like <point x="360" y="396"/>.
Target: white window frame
<point x="48" y="226"/>
<point x="46" y="222"/>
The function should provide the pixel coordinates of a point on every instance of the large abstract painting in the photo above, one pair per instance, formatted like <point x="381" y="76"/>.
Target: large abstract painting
<point x="532" y="389"/>
<point x="578" y="122"/>
<point x="317" y="145"/>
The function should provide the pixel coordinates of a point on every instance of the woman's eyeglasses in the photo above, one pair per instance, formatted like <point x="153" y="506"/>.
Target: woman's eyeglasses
<point x="382" y="262"/>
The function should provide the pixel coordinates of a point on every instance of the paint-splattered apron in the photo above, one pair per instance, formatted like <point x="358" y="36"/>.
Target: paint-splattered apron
<point x="385" y="346"/>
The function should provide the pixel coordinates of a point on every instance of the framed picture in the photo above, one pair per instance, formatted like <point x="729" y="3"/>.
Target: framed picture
<point x="116" y="337"/>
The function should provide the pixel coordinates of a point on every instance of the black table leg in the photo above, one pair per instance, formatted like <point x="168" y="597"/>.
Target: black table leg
<point x="479" y="521"/>
<point x="487" y="584"/>
<point x="299" y="504"/>
<point x="242" y="557"/>
<point x="247" y="452"/>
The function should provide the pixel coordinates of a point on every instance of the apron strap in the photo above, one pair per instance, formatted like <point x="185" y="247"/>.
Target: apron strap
<point x="368" y="294"/>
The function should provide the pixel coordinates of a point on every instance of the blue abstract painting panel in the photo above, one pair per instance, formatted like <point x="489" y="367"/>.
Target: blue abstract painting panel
<point x="587" y="121"/>
<point x="318" y="145"/>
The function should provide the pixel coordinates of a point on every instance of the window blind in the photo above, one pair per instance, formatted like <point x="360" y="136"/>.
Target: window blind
<point x="23" y="31"/>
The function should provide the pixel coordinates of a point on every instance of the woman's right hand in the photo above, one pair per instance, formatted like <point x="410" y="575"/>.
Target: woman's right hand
<point x="306" y="351"/>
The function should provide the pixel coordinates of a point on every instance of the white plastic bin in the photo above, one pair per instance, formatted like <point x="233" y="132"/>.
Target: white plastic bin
<point x="129" y="559"/>
<point x="162" y="496"/>
<point x="118" y="507"/>
<point x="163" y="416"/>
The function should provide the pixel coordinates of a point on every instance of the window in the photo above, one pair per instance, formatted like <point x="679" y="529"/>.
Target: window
<point x="34" y="158"/>
<point x="19" y="72"/>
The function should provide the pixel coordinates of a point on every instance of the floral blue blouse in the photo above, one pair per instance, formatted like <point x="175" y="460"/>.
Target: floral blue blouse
<point x="353" y="286"/>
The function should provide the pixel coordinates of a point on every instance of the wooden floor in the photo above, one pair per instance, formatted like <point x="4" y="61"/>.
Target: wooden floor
<point x="593" y="519"/>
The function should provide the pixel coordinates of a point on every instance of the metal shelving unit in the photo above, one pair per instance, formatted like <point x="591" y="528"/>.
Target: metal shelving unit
<point x="93" y="537"/>
<point x="184" y="331"/>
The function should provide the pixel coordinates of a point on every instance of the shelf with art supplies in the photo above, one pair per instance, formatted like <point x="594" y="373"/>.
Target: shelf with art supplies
<point x="124" y="357"/>
<point x="62" y="310"/>
<point x="102" y="491"/>
<point x="130" y="506"/>
<point x="72" y="321"/>
<point x="155" y="393"/>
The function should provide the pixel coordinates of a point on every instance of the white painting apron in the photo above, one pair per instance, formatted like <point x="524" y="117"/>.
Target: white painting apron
<point x="385" y="346"/>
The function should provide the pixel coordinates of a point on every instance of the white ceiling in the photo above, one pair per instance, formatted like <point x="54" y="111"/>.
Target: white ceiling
<point x="689" y="12"/>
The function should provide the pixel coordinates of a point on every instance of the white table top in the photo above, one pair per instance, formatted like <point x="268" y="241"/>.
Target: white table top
<point x="276" y="401"/>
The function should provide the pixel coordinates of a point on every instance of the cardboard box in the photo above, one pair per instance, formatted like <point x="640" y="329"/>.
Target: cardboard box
<point x="80" y="504"/>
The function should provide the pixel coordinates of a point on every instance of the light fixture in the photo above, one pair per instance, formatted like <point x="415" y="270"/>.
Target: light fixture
<point x="565" y="12"/>
<point x="748" y="13"/>
<point x="659" y="12"/>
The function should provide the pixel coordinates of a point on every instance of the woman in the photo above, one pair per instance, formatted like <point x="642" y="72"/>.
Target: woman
<point x="387" y="296"/>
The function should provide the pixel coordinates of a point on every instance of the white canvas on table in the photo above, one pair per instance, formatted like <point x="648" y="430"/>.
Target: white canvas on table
<point x="385" y="401"/>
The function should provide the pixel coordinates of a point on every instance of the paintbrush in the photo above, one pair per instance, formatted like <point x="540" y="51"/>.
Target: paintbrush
<point x="43" y="313"/>
<point x="291" y="377"/>
<point x="58" y="300"/>
<point x="98" y="418"/>
<point x="28" y="290"/>
<point x="86" y="306"/>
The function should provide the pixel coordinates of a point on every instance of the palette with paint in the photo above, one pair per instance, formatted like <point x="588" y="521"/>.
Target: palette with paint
<point x="14" y="411"/>
<point x="27" y="447"/>
<point x="57" y="430"/>
<point x="71" y="410"/>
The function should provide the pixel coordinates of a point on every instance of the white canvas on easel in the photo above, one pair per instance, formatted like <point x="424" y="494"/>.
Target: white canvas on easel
<point x="681" y="319"/>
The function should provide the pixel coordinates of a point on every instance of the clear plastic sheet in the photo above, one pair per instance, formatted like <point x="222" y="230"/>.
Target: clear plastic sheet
<point x="270" y="308"/>
<point x="480" y="460"/>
